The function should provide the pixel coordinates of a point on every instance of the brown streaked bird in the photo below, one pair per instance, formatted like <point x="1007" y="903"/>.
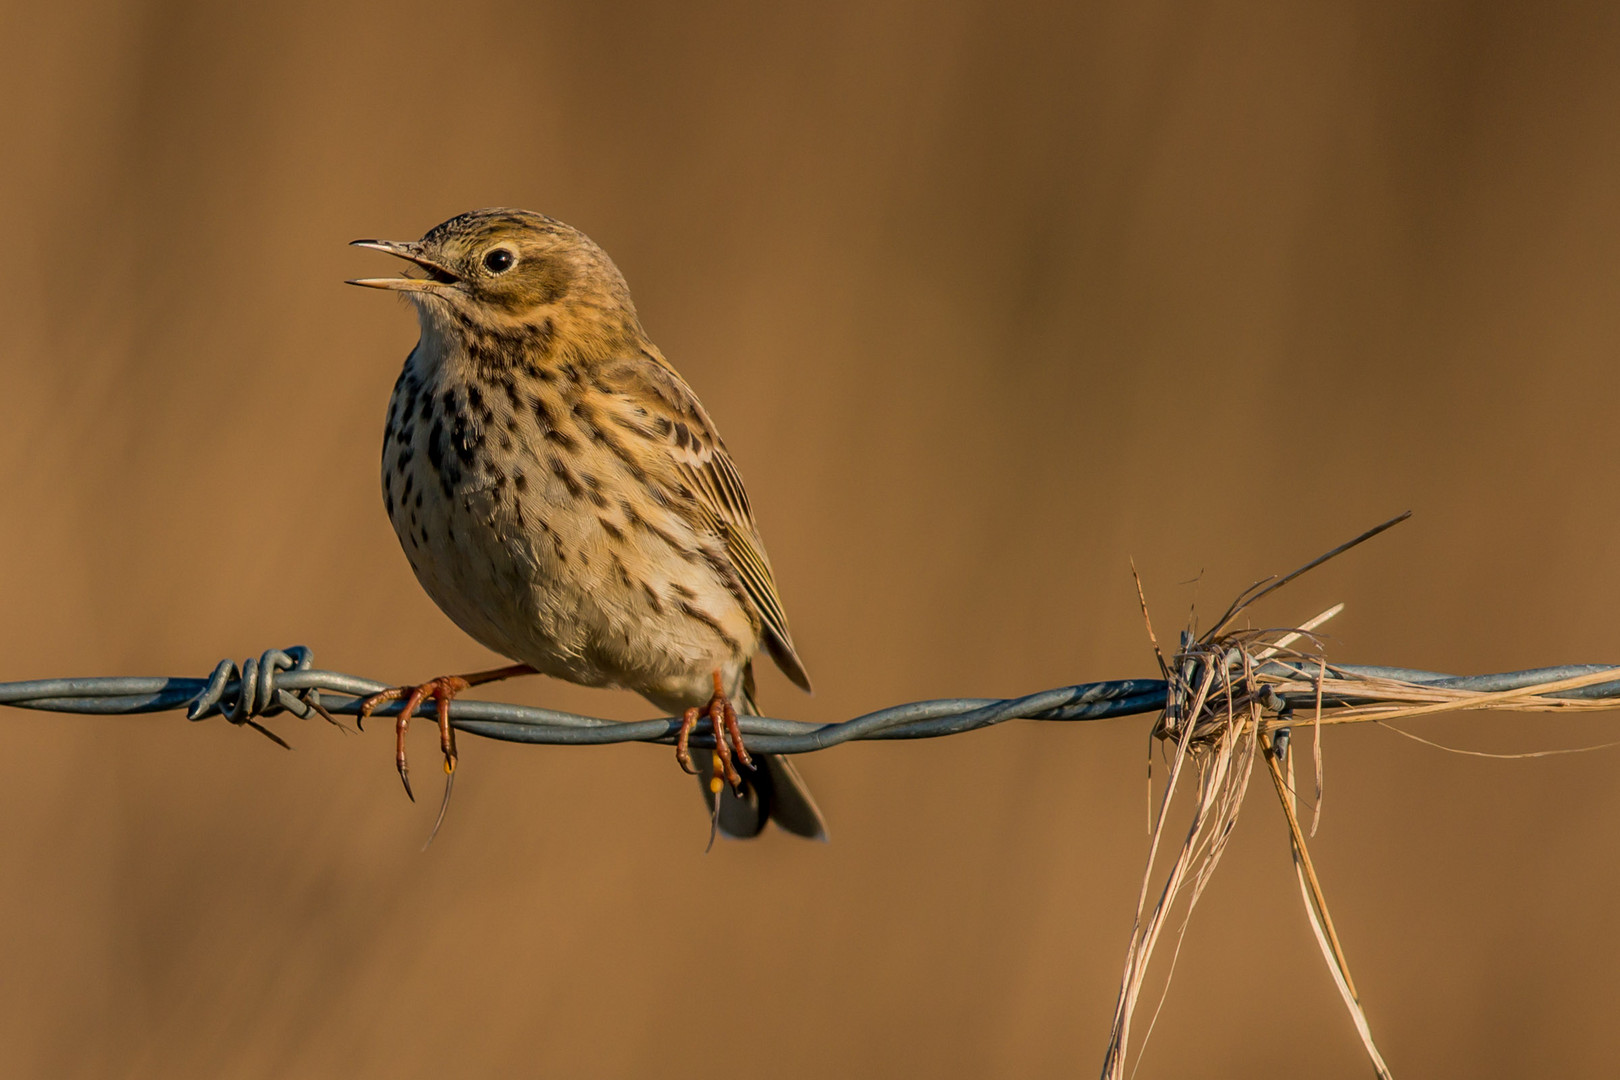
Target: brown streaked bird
<point x="563" y="496"/>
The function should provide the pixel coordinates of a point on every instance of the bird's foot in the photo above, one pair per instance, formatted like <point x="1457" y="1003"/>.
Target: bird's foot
<point x="442" y="690"/>
<point x="728" y="741"/>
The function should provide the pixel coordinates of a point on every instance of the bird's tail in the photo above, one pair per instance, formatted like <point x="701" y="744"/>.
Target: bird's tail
<point x="771" y="791"/>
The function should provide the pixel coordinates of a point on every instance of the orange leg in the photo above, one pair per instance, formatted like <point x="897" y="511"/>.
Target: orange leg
<point x="728" y="741"/>
<point x="441" y="690"/>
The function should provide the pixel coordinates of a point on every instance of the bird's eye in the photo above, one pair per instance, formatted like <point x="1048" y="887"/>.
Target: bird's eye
<point x="499" y="261"/>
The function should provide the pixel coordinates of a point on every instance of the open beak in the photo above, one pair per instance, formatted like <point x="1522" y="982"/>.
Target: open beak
<point x="438" y="277"/>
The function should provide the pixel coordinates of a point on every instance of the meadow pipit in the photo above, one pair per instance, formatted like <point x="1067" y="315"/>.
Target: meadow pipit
<point x="564" y="497"/>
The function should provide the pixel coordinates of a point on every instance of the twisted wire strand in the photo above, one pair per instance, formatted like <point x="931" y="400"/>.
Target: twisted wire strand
<point x="286" y="681"/>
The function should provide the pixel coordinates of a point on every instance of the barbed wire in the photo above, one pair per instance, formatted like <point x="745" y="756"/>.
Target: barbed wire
<point x="1226" y="700"/>
<point x="286" y="681"/>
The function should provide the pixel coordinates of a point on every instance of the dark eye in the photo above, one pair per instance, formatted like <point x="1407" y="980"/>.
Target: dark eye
<point x="499" y="261"/>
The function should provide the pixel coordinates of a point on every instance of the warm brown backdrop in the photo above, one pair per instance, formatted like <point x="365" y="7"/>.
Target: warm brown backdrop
<point x="988" y="299"/>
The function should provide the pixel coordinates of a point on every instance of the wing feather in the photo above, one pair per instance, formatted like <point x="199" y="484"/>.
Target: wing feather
<point x="677" y="419"/>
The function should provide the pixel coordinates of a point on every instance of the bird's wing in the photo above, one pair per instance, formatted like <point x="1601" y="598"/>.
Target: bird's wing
<point x="675" y="420"/>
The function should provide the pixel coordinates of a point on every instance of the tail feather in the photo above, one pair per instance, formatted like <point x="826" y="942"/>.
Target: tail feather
<point x="792" y="806"/>
<point x="772" y="791"/>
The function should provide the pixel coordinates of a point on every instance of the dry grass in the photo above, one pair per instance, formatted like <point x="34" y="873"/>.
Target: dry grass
<point x="1235" y="697"/>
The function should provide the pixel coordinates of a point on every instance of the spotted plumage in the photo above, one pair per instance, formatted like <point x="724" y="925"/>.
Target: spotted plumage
<point x="561" y="493"/>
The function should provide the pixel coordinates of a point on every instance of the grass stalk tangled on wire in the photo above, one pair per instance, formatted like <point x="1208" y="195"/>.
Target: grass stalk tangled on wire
<point x="1233" y="698"/>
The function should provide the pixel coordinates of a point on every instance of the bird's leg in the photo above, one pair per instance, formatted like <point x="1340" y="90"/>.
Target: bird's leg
<point x="726" y="730"/>
<point x="728" y="741"/>
<point x="442" y="690"/>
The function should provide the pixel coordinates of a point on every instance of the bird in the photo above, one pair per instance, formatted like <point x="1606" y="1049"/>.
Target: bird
<point x="563" y="496"/>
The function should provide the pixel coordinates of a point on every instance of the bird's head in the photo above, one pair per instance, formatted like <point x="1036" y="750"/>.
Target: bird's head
<point x="502" y="270"/>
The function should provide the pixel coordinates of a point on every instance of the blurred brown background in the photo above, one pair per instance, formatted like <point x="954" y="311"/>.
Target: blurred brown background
<point x="988" y="300"/>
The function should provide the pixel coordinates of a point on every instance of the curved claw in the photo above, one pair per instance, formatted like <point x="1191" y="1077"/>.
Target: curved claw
<point x="444" y="805"/>
<point x="405" y="773"/>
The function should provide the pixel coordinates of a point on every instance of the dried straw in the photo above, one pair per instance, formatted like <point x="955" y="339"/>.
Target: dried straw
<point x="1234" y="697"/>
